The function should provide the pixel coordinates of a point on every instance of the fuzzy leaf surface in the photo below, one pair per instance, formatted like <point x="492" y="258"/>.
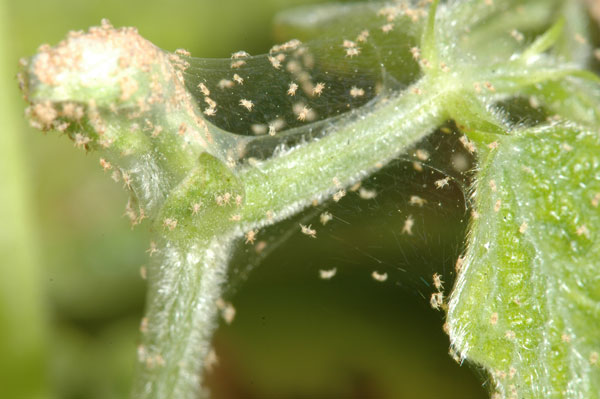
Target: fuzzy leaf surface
<point x="527" y="302"/>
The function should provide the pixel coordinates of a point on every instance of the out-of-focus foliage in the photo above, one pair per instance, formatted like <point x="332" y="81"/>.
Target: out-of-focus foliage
<point x="22" y="322"/>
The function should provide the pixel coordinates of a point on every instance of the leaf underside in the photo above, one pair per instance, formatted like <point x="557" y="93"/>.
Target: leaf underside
<point x="527" y="302"/>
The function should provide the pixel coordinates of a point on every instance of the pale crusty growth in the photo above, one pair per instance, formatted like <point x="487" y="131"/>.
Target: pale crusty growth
<point x="42" y="115"/>
<point x="68" y="56"/>
<point x="116" y="69"/>
<point x="128" y="87"/>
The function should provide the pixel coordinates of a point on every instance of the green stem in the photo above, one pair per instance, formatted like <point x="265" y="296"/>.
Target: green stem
<point x="184" y="286"/>
<point x="186" y="283"/>
<point x="318" y="169"/>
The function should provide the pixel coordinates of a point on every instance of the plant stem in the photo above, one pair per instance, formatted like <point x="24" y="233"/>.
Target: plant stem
<point x="184" y="286"/>
<point x="186" y="281"/>
<point x="363" y="144"/>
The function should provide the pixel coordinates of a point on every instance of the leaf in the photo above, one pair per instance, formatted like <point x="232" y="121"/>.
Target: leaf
<point x="544" y="41"/>
<point x="526" y="305"/>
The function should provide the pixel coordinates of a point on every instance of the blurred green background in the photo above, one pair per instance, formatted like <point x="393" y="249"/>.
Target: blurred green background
<point x="71" y="296"/>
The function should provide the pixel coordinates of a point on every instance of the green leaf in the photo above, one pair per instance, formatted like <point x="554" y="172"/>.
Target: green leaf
<point x="545" y="41"/>
<point x="527" y="301"/>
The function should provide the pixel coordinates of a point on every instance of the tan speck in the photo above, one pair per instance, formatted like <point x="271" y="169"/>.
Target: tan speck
<point x="596" y="200"/>
<point x="339" y="195"/>
<point x="418" y="201"/>
<point x="170" y="223"/>
<point x="325" y="217"/>
<point x="292" y="89"/>
<point x="247" y="104"/>
<point x="494" y="318"/>
<point x="327" y="274"/>
<point x="381" y="277"/>
<point x="408" y="225"/>
<point x="356" y="92"/>
<point x="523" y="227"/>
<point x="308" y="231"/>
<point x="422" y="155"/>
<point x="497" y="205"/>
<point x="583" y="231"/>
<point x="250" y="237"/>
